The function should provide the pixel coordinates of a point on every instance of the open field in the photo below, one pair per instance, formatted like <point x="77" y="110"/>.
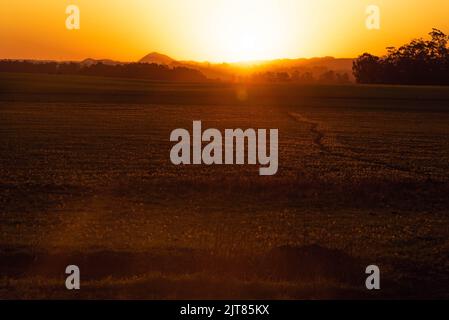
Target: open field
<point x="86" y="179"/>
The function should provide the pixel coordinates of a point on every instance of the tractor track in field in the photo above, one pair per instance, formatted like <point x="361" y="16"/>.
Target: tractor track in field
<point x="318" y="136"/>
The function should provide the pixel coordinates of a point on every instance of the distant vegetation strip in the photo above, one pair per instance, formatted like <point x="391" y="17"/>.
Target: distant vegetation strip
<point x="149" y="71"/>
<point x="420" y="62"/>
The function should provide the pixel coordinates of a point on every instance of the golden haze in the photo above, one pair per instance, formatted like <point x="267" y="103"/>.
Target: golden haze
<point x="219" y="30"/>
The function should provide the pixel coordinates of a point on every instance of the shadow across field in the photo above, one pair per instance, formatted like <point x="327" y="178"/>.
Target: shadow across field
<point x="292" y="271"/>
<point x="63" y="88"/>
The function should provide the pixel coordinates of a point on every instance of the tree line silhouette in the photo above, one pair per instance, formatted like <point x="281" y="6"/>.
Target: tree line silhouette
<point x="129" y="70"/>
<point x="420" y="62"/>
<point x="306" y="77"/>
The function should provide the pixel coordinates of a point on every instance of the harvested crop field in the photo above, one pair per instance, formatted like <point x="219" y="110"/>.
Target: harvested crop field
<point x="86" y="179"/>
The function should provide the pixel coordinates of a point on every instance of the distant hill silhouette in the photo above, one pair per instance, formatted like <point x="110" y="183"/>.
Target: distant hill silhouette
<point x="313" y="70"/>
<point x="157" y="58"/>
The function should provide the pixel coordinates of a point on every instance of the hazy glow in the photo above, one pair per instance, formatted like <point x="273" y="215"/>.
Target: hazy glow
<point x="214" y="30"/>
<point x="248" y="30"/>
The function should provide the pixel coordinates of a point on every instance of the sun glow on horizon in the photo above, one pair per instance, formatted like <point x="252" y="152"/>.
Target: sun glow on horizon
<point x="249" y="30"/>
<point x="212" y="30"/>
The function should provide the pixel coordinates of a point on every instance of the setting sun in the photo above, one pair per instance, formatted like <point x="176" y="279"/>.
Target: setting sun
<point x="249" y="30"/>
<point x="215" y="31"/>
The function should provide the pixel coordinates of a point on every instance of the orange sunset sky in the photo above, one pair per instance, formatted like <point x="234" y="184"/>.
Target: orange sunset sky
<point x="212" y="30"/>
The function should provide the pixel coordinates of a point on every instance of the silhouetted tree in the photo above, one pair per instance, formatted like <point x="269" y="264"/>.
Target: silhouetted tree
<point x="307" y="77"/>
<point x="418" y="62"/>
<point x="327" y="77"/>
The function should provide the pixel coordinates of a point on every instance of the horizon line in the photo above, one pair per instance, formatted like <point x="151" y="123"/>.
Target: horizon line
<point x="182" y="61"/>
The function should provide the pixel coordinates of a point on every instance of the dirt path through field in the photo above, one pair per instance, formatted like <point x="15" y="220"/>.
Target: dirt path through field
<point x="319" y="135"/>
